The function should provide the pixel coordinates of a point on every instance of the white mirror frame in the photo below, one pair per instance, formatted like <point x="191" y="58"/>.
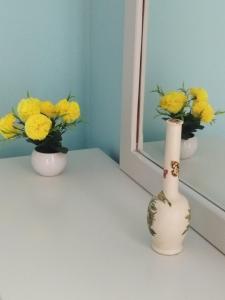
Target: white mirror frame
<point x="207" y="218"/>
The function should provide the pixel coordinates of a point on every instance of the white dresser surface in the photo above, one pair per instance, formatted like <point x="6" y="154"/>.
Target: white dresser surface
<point x="83" y="236"/>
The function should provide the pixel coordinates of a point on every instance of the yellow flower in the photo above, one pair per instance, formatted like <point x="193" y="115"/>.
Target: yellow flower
<point x="28" y="107"/>
<point x="208" y="114"/>
<point x="173" y="102"/>
<point x="73" y="113"/>
<point x="68" y="110"/>
<point x="48" y="109"/>
<point x="198" y="107"/>
<point x="37" y="127"/>
<point x="199" y="94"/>
<point x="7" y="128"/>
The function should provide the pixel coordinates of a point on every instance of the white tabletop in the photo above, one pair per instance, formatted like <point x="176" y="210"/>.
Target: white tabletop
<point x="83" y="236"/>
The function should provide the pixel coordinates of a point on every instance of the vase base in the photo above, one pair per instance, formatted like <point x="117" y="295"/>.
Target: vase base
<point x="168" y="252"/>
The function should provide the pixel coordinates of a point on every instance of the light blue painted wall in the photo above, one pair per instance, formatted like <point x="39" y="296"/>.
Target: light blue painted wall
<point x="44" y="47"/>
<point x="106" y="75"/>
<point x="51" y="47"/>
<point x="186" y="43"/>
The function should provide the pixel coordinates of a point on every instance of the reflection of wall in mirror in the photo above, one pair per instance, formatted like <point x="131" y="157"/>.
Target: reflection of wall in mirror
<point x="186" y="42"/>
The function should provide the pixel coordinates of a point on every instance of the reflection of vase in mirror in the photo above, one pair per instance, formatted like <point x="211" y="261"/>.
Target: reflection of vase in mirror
<point x="188" y="147"/>
<point x="169" y="60"/>
<point x="169" y="212"/>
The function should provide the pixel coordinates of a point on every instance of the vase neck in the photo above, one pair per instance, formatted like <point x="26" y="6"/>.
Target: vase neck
<point x="172" y="158"/>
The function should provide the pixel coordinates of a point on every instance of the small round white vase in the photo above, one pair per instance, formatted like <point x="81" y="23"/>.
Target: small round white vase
<point x="48" y="164"/>
<point x="188" y="147"/>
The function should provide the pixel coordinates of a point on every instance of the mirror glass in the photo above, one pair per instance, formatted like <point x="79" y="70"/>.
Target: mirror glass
<point x="184" y="47"/>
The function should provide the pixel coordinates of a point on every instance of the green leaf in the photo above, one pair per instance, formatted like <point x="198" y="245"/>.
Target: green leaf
<point x="152" y="231"/>
<point x="158" y="90"/>
<point x="69" y="97"/>
<point x="219" y="113"/>
<point x="62" y="149"/>
<point x="190" y="126"/>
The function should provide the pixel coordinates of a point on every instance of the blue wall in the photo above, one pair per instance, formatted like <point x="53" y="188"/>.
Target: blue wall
<point x="106" y="75"/>
<point x="186" y="43"/>
<point x="52" y="47"/>
<point x="44" y="48"/>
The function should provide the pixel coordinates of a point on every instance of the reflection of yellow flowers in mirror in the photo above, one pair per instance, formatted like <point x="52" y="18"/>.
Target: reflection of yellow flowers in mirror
<point x="48" y="108"/>
<point x="199" y="94"/>
<point x="198" y="107"/>
<point x="208" y="114"/>
<point x="37" y="127"/>
<point x="68" y="110"/>
<point x="7" y="128"/>
<point x="189" y="105"/>
<point x="173" y="102"/>
<point x="28" y="107"/>
<point x="201" y="108"/>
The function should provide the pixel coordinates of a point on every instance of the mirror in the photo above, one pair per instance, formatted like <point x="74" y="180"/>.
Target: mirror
<point x="184" y="48"/>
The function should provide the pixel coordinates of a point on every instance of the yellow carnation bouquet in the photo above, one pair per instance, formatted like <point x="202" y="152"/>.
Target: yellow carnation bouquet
<point x="190" y="105"/>
<point x="41" y="122"/>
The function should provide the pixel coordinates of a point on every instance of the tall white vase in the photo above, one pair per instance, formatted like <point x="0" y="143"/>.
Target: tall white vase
<point x="169" y="211"/>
